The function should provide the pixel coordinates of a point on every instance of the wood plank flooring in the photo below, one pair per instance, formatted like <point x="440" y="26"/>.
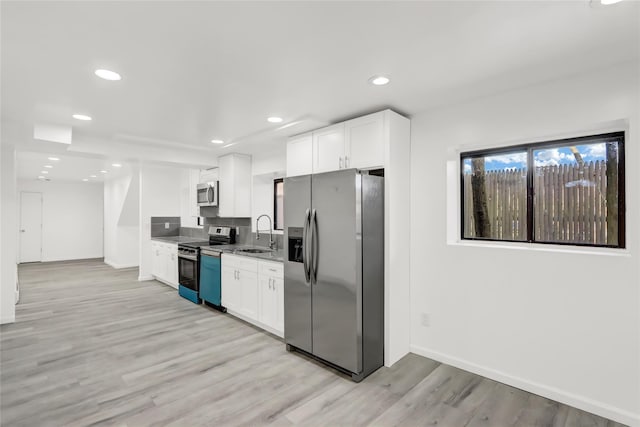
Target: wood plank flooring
<point x="93" y="346"/>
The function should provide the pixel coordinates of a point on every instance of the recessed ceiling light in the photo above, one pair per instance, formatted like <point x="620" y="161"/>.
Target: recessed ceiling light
<point x="108" y="75"/>
<point x="85" y="179"/>
<point x="41" y="177"/>
<point x="48" y="166"/>
<point x="274" y="119"/>
<point x="379" y="80"/>
<point x="104" y="171"/>
<point x="81" y="117"/>
<point x="217" y="141"/>
<point x="92" y="176"/>
<point x="44" y="172"/>
<point x="608" y="2"/>
<point x="54" y="159"/>
<point x="116" y="165"/>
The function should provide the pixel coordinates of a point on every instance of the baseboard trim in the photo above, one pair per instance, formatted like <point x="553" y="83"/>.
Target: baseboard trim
<point x="119" y="266"/>
<point x="8" y="319"/>
<point x="145" y="278"/>
<point x="571" y="399"/>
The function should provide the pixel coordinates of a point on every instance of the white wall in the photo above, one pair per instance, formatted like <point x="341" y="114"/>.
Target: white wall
<point x="559" y="322"/>
<point x="121" y="221"/>
<point x="8" y="234"/>
<point x="72" y="218"/>
<point x="265" y="168"/>
<point x="160" y="190"/>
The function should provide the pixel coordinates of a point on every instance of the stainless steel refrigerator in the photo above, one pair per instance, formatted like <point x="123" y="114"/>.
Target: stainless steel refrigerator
<point x="334" y="269"/>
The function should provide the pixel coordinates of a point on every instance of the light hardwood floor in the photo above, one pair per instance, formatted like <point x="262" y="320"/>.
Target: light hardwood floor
<point x="93" y="346"/>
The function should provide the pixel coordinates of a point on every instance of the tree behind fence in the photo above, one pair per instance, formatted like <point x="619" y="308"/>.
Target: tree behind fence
<point x="569" y="204"/>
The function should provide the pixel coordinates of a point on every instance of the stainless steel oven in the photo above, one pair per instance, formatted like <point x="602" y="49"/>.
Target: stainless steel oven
<point x="188" y="267"/>
<point x="208" y="194"/>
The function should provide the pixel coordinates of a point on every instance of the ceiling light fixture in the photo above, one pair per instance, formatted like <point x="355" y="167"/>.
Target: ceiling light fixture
<point x="379" y="80"/>
<point x="608" y="2"/>
<point x="274" y="119"/>
<point x="116" y="165"/>
<point x="92" y="176"/>
<point x="104" y="171"/>
<point x="54" y="159"/>
<point x="48" y="166"/>
<point x="85" y="179"/>
<point x="41" y="177"/>
<point x="44" y="172"/>
<point x="217" y="141"/>
<point x="108" y="75"/>
<point x="81" y="117"/>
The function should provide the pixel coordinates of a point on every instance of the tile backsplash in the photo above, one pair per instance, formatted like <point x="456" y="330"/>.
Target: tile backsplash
<point x="165" y="226"/>
<point x="243" y="226"/>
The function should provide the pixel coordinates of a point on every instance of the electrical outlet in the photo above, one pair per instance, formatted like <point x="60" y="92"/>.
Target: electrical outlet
<point x="166" y="225"/>
<point x="425" y="319"/>
<point x="237" y="231"/>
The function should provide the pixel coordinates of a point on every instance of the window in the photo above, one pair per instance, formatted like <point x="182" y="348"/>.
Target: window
<point x="278" y="204"/>
<point x="568" y="191"/>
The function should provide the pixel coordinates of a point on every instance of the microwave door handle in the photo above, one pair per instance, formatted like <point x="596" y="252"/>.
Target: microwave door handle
<point x="210" y="194"/>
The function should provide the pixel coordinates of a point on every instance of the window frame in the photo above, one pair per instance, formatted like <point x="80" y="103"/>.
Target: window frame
<point x="275" y="204"/>
<point x="618" y="136"/>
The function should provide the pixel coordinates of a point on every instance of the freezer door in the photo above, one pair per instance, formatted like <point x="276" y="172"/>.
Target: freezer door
<point x="337" y="295"/>
<point x="297" y="290"/>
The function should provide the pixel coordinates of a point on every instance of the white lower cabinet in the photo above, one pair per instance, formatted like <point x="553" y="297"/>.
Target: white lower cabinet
<point x="253" y="290"/>
<point x="271" y="294"/>
<point x="164" y="262"/>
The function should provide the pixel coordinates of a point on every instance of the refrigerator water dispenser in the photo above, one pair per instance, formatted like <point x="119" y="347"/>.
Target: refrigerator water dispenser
<point x="295" y="244"/>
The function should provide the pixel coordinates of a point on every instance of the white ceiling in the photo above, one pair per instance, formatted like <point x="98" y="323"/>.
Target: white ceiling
<point x="194" y="71"/>
<point x="29" y="165"/>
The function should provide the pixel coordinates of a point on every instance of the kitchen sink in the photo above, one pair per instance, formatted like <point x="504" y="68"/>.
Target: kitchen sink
<point x="254" y="251"/>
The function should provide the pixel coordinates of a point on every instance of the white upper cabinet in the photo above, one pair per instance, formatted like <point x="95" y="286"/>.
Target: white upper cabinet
<point x="364" y="141"/>
<point x="300" y="155"/>
<point x="328" y="148"/>
<point x="358" y="143"/>
<point x="234" y="199"/>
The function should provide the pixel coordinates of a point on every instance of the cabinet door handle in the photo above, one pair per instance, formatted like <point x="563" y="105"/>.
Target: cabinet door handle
<point x="340" y="162"/>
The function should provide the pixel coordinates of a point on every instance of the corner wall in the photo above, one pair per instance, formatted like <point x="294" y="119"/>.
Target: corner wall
<point x="8" y="234"/>
<point x="560" y="322"/>
<point x="160" y="195"/>
<point x="121" y="221"/>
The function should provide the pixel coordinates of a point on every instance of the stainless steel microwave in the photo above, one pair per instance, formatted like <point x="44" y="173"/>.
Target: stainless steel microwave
<point x="208" y="194"/>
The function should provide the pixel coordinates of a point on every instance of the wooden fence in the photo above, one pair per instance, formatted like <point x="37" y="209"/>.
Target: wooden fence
<point x="569" y="204"/>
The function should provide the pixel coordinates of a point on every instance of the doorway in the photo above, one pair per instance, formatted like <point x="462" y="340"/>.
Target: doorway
<point x="30" y="227"/>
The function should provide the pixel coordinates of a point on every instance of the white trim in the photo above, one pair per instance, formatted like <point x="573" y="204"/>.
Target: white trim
<point x="568" y="398"/>
<point x="119" y="266"/>
<point x="145" y="278"/>
<point x="256" y="323"/>
<point x="8" y="319"/>
<point x="173" y="285"/>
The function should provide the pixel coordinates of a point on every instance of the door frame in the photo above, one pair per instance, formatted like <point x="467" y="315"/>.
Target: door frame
<point x="20" y="225"/>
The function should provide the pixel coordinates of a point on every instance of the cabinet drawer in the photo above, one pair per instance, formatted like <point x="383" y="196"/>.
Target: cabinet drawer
<point x="240" y="262"/>
<point x="273" y="269"/>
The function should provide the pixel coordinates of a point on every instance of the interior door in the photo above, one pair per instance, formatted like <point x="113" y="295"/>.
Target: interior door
<point x="30" y="227"/>
<point x="337" y="322"/>
<point x="297" y="290"/>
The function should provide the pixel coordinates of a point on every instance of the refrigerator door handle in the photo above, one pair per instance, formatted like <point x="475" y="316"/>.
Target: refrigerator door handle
<point x="314" y="247"/>
<point x="305" y="246"/>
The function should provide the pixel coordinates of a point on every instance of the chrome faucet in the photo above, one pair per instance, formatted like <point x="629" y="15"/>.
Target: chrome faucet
<point x="271" y="241"/>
